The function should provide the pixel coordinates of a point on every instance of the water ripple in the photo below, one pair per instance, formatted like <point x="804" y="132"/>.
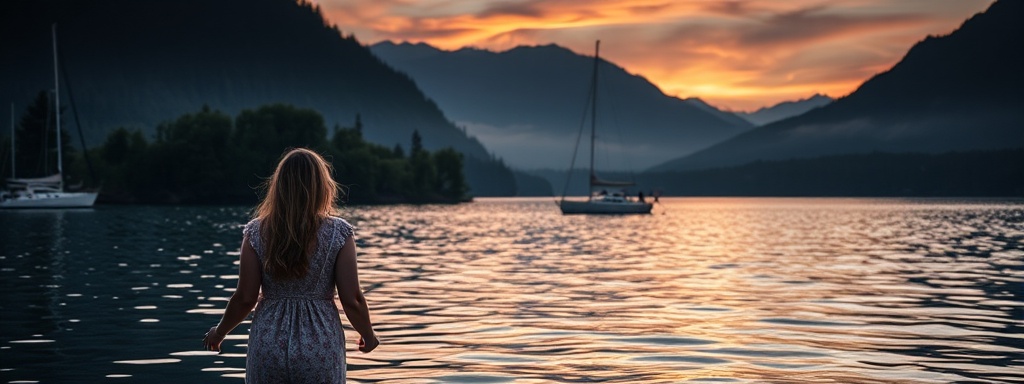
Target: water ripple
<point x="509" y="290"/>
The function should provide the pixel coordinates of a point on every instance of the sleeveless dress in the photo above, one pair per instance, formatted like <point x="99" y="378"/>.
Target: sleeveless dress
<point x="296" y="334"/>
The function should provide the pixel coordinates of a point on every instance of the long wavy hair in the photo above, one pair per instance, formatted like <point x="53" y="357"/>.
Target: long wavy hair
<point x="299" y="196"/>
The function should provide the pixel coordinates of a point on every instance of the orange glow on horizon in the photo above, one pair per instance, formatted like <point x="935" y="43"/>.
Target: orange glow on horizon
<point x="736" y="55"/>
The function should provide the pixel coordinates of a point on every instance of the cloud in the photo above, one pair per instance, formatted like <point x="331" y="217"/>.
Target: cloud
<point x="523" y="146"/>
<point x="733" y="8"/>
<point x="810" y="25"/>
<point x="649" y="9"/>
<point x="531" y="147"/>
<point x="736" y="54"/>
<point x="531" y="9"/>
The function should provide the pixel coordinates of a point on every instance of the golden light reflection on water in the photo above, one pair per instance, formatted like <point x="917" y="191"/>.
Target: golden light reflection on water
<point x="844" y="290"/>
<point x="509" y="290"/>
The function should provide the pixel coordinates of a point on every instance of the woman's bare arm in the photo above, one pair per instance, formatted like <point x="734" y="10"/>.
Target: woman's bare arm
<point x="243" y="300"/>
<point x="346" y="277"/>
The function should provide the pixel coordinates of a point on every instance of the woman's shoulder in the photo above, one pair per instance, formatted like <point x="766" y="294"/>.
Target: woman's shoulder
<point x="342" y="226"/>
<point x="252" y="232"/>
<point x="252" y="227"/>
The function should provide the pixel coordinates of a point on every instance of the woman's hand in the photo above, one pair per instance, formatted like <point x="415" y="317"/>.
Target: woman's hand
<point x="212" y="340"/>
<point x="365" y="346"/>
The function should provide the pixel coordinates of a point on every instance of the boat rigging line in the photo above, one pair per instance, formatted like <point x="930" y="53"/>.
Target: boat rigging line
<point x="74" y="108"/>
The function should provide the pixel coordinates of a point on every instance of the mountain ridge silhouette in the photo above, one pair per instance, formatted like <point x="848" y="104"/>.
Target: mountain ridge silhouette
<point x="527" y="102"/>
<point x="139" y="64"/>
<point x="955" y="92"/>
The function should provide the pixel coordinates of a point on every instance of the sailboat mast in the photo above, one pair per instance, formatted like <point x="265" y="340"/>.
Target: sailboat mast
<point x="56" y="90"/>
<point x="593" y="112"/>
<point x="12" y="142"/>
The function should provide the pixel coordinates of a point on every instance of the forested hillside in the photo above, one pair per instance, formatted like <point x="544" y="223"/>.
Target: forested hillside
<point x="138" y="64"/>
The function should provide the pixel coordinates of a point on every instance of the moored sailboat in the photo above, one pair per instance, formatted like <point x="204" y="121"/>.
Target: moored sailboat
<point x="44" y="192"/>
<point x="601" y="202"/>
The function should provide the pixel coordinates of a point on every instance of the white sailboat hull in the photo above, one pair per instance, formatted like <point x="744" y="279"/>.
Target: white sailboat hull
<point x="51" y="200"/>
<point x="47" y="191"/>
<point x="604" y="207"/>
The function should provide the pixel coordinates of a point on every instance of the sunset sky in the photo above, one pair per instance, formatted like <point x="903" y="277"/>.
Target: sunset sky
<point x="737" y="55"/>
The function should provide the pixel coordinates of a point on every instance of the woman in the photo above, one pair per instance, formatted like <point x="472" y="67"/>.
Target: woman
<point x="298" y="254"/>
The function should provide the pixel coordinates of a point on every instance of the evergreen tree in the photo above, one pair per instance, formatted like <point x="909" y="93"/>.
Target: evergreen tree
<point x="115" y="150"/>
<point x="417" y="143"/>
<point x="208" y="157"/>
<point x="123" y="163"/>
<point x="194" y="156"/>
<point x="424" y="173"/>
<point x="451" y="183"/>
<point x="36" y="139"/>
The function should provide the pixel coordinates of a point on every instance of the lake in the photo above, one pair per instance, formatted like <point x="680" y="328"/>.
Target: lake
<point x="510" y="290"/>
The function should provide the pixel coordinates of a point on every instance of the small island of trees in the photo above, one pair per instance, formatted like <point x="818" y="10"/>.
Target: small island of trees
<point x="208" y="157"/>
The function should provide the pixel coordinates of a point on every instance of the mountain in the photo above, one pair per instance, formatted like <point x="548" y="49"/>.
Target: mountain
<point x="957" y="92"/>
<point x="138" y="64"/>
<point x="727" y="116"/>
<point x="784" y="110"/>
<point x="527" y="105"/>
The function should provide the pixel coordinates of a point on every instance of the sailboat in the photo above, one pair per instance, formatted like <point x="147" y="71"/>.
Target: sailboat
<point x="44" y="192"/>
<point x="603" y="202"/>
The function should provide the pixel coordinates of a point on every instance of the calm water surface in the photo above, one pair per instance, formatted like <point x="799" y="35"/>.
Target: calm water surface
<point x="703" y="290"/>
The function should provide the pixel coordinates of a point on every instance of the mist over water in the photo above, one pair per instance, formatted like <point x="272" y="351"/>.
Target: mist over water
<point x="509" y="290"/>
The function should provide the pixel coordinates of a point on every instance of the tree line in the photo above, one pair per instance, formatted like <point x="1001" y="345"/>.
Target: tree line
<point x="210" y="157"/>
<point x="997" y="172"/>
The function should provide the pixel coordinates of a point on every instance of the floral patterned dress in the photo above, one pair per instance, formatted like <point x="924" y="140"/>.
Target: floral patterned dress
<point x="296" y="334"/>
